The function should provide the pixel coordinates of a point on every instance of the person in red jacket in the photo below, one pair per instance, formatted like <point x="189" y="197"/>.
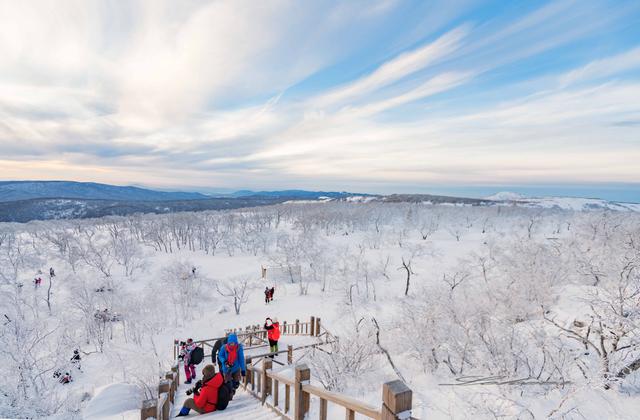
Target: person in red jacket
<point x="205" y="398"/>
<point x="273" y="334"/>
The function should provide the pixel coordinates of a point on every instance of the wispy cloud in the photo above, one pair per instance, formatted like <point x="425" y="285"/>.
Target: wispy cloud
<point x="234" y="94"/>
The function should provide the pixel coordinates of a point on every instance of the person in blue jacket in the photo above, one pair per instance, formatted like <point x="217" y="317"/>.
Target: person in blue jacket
<point x="231" y="357"/>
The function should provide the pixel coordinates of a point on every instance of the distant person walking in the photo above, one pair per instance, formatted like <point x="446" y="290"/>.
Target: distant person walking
<point x="51" y="272"/>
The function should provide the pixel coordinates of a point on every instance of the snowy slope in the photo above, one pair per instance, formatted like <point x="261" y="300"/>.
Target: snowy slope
<point x="564" y="203"/>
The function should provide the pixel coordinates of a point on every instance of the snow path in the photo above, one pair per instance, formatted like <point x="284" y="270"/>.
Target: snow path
<point x="243" y="405"/>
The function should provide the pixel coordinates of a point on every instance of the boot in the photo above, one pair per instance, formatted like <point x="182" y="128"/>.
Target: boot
<point x="184" y="411"/>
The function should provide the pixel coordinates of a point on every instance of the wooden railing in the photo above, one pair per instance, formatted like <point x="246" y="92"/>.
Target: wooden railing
<point x="160" y="407"/>
<point x="263" y="382"/>
<point x="254" y="336"/>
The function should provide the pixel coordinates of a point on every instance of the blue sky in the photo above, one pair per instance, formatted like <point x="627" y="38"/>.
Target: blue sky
<point x="463" y="97"/>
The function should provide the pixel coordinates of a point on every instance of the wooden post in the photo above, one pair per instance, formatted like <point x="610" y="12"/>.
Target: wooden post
<point x="172" y="388"/>
<point x="284" y="328"/>
<point x="312" y="324"/>
<point x="266" y="381"/>
<point x="396" y="401"/>
<point x="297" y="326"/>
<point x="247" y="377"/>
<point x="149" y="409"/>
<point x="176" y="369"/>
<point x="301" y="398"/>
<point x="164" y="386"/>
<point x="276" y="392"/>
<point x="350" y="414"/>
<point x="166" y="409"/>
<point x="287" y="397"/>
<point x="323" y="409"/>
<point x="289" y="354"/>
<point x="317" y="327"/>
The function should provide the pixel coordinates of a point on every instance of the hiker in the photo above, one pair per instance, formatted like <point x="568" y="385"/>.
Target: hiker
<point x="63" y="378"/>
<point x="271" y="292"/>
<point x="266" y="294"/>
<point x="273" y="334"/>
<point x="210" y="394"/>
<point x="37" y="281"/>
<point x="51" y="272"/>
<point x="216" y="349"/>
<point x="193" y="271"/>
<point x="75" y="359"/>
<point x="185" y="355"/>
<point x="231" y="355"/>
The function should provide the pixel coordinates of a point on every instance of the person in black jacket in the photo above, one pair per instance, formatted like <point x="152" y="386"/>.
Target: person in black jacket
<point x="214" y="353"/>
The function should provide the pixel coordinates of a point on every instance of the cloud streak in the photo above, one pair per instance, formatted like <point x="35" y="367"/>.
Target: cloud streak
<point x="278" y="95"/>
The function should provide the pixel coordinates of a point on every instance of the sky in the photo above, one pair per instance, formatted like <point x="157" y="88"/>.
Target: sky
<point x="454" y="96"/>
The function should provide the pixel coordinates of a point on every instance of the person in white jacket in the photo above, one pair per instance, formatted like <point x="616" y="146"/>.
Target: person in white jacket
<point x="185" y="355"/>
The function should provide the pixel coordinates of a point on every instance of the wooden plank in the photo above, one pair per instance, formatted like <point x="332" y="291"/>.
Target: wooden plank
<point x="287" y="397"/>
<point x="323" y="409"/>
<point x="350" y="414"/>
<point x="276" y="392"/>
<point x="280" y="378"/>
<point x="344" y="401"/>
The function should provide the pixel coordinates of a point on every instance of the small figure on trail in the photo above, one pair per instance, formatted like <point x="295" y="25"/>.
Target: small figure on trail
<point x="185" y="355"/>
<point x="216" y="349"/>
<point x="231" y="355"/>
<point x="63" y="378"/>
<point x="266" y="294"/>
<point x="75" y="359"/>
<point x="271" y="292"/>
<point x="37" y="281"/>
<point x="51" y="272"/>
<point x="273" y="334"/>
<point x="210" y="394"/>
<point x="193" y="271"/>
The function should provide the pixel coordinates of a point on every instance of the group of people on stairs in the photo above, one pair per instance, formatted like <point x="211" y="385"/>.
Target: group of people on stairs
<point x="215" y="390"/>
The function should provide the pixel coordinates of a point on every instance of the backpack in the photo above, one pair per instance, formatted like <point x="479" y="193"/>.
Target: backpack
<point x="196" y="356"/>
<point x="232" y="354"/>
<point x="224" y="396"/>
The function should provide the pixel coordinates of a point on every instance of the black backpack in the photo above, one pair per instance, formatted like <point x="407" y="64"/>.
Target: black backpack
<point x="196" y="356"/>
<point x="224" y="396"/>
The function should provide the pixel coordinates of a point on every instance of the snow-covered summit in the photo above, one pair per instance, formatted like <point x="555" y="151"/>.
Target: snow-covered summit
<point x="564" y="203"/>
<point x="506" y="196"/>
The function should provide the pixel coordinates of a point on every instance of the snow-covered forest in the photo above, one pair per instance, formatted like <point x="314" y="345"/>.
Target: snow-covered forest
<point x="484" y="311"/>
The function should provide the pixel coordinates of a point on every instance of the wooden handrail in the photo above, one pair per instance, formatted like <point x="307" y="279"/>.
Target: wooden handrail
<point x="280" y="378"/>
<point x="344" y="401"/>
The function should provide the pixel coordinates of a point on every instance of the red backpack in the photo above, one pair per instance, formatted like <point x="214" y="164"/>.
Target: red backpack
<point x="232" y="353"/>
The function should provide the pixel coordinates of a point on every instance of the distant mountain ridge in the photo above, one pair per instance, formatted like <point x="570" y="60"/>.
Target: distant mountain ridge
<point x="27" y="190"/>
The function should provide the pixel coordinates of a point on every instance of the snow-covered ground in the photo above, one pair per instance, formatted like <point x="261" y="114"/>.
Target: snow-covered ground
<point x="521" y="300"/>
